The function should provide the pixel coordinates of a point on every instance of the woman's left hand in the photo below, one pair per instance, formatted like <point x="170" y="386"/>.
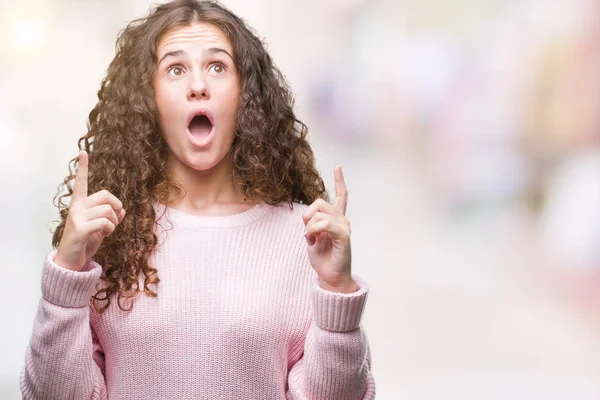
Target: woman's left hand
<point x="328" y="235"/>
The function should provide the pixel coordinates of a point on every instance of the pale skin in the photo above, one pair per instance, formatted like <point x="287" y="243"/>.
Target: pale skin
<point x="328" y="235"/>
<point x="90" y="220"/>
<point x="197" y="75"/>
<point x="196" y="70"/>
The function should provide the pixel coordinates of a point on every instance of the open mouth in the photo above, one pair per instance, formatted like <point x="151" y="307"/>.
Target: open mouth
<point x="200" y="127"/>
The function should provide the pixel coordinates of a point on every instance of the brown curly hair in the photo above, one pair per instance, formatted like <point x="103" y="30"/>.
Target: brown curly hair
<point x="273" y="161"/>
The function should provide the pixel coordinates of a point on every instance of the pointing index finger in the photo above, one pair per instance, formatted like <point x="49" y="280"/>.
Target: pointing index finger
<point x="80" y="188"/>
<point x="341" y="192"/>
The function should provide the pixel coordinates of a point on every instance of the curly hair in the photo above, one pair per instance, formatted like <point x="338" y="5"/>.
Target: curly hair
<point x="273" y="161"/>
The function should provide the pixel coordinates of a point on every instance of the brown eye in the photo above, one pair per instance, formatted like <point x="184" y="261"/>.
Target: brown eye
<point x="175" y="70"/>
<point x="218" y="68"/>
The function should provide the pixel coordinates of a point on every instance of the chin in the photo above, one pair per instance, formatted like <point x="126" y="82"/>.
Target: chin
<point x="201" y="165"/>
<point x="201" y="162"/>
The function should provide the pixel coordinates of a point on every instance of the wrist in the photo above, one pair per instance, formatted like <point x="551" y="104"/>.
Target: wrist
<point x="65" y="265"/>
<point x="344" y="286"/>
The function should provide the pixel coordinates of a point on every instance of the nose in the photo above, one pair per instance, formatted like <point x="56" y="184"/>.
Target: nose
<point x="198" y="88"/>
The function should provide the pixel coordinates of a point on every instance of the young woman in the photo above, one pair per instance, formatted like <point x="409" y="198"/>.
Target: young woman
<point x="195" y="170"/>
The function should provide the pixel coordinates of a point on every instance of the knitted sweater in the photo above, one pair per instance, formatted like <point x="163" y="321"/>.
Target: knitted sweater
<point x="239" y="315"/>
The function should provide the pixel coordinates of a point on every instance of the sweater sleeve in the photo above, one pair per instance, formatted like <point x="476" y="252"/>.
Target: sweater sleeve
<point x="336" y="363"/>
<point x="64" y="359"/>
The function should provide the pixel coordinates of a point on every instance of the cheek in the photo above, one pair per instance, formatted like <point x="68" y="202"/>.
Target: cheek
<point x="158" y="98"/>
<point x="233" y="97"/>
<point x="164" y="101"/>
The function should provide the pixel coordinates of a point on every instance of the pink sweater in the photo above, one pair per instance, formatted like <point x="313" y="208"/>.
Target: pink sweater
<point x="239" y="315"/>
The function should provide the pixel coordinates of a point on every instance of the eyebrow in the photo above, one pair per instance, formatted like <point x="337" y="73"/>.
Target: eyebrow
<point x="178" y="53"/>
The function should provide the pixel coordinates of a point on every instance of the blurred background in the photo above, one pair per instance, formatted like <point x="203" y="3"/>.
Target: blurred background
<point x="469" y="133"/>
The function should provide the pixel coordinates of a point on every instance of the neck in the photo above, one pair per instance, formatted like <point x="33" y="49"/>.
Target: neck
<point x="209" y="192"/>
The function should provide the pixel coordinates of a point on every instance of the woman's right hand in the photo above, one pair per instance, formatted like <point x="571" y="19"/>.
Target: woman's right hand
<point x="89" y="221"/>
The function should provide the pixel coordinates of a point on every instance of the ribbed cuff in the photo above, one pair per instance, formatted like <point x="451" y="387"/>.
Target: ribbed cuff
<point x="339" y="312"/>
<point x="67" y="288"/>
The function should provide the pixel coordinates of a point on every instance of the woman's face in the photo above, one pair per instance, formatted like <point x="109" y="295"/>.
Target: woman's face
<point x="196" y="90"/>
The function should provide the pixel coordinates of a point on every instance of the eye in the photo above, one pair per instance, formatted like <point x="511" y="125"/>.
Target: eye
<point x="175" y="70"/>
<point x="219" y="68"/>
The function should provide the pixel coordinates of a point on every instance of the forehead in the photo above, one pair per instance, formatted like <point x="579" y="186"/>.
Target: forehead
<point x="198" y="35"/>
